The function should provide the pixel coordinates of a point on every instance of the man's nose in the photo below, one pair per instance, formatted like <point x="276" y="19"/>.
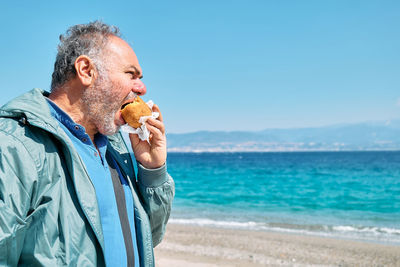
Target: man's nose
<point x="139" y="87"/>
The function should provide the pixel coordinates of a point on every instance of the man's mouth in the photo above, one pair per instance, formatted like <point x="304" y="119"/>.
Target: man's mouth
<point x="129" y="99"/>
<point x="124" y="105"/>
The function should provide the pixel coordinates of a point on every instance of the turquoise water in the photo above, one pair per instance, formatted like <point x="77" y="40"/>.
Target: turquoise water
<point x="342" y="194"/>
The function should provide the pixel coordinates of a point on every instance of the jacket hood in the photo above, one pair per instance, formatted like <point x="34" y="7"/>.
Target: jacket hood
<point x="33" y="107"/>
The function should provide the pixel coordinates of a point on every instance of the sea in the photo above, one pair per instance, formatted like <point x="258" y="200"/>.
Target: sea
<point x="345" y="195"/>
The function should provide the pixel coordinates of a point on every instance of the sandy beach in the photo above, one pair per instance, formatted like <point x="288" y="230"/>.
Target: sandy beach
<point x="186" y="245"/>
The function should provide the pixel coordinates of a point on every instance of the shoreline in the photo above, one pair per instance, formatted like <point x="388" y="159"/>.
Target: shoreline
<point x="233" y="151"/>
<point x="191" y="245"/>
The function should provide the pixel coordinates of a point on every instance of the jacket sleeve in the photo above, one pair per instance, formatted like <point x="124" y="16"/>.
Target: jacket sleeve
<point x="17" y="171"/>
<point x="157" y="189"/>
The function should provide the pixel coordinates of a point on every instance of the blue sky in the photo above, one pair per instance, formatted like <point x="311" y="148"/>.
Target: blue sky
<point x="229" y="65"/>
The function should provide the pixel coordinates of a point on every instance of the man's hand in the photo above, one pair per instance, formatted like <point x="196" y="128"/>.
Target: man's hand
<point x="151" y="155"/>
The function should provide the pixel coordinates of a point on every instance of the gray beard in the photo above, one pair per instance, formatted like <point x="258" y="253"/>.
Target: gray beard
<point x="101" y="106"/>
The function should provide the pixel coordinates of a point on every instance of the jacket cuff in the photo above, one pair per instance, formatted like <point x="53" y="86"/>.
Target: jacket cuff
<point x="152" y="177"/>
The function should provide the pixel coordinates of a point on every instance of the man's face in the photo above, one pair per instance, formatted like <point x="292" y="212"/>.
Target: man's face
<point x="117" y="83"/>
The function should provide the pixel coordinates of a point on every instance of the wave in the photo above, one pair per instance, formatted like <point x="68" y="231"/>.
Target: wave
<point x="368" y="231"/>
<point x="209" y="222"/>
<point x="363" y="233"/>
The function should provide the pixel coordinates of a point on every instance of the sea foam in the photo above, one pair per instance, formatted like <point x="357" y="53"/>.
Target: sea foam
<point x="371" y="234"/>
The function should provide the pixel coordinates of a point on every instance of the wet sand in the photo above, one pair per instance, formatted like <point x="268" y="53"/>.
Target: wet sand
<point x="196" y="246"/>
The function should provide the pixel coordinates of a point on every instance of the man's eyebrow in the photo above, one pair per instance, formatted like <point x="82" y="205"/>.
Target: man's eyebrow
<point x="136" y="71"/>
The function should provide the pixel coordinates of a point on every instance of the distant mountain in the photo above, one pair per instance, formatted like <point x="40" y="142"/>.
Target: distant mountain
<point x="342" y="137"/>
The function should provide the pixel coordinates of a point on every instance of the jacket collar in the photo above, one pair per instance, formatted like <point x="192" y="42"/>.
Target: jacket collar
<point x="33" y="107"/>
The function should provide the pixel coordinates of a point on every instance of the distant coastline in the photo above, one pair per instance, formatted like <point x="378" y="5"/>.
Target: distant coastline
<point x="368" y="136"/>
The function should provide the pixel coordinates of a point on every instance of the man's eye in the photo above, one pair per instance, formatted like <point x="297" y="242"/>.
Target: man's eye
<point x="133" y="75"/>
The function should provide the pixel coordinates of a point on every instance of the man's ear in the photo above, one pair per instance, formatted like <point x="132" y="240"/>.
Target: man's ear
<point x="85" y="70"/>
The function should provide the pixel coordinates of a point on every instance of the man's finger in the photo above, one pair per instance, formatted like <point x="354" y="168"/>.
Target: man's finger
<point x="157" y="109"/>
<point x="154" y="130"/>
<point x="157" y="124"/>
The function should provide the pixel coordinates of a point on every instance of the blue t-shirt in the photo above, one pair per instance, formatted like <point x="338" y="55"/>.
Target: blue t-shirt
<point x="99" y="173"/>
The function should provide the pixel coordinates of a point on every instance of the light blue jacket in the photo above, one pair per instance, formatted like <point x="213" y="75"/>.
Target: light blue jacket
<point x="48" y="209"/>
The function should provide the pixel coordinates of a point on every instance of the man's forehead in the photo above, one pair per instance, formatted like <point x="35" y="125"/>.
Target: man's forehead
<point x="121" y="52"/>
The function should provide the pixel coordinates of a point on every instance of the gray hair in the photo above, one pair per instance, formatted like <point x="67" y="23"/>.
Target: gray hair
<point x="82" y="39"/>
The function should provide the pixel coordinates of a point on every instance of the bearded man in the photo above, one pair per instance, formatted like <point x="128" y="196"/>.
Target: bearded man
<point x="68" y="190"/>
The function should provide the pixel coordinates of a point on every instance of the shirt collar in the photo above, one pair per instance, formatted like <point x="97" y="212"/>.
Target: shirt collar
<point x="76" y="129"/>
